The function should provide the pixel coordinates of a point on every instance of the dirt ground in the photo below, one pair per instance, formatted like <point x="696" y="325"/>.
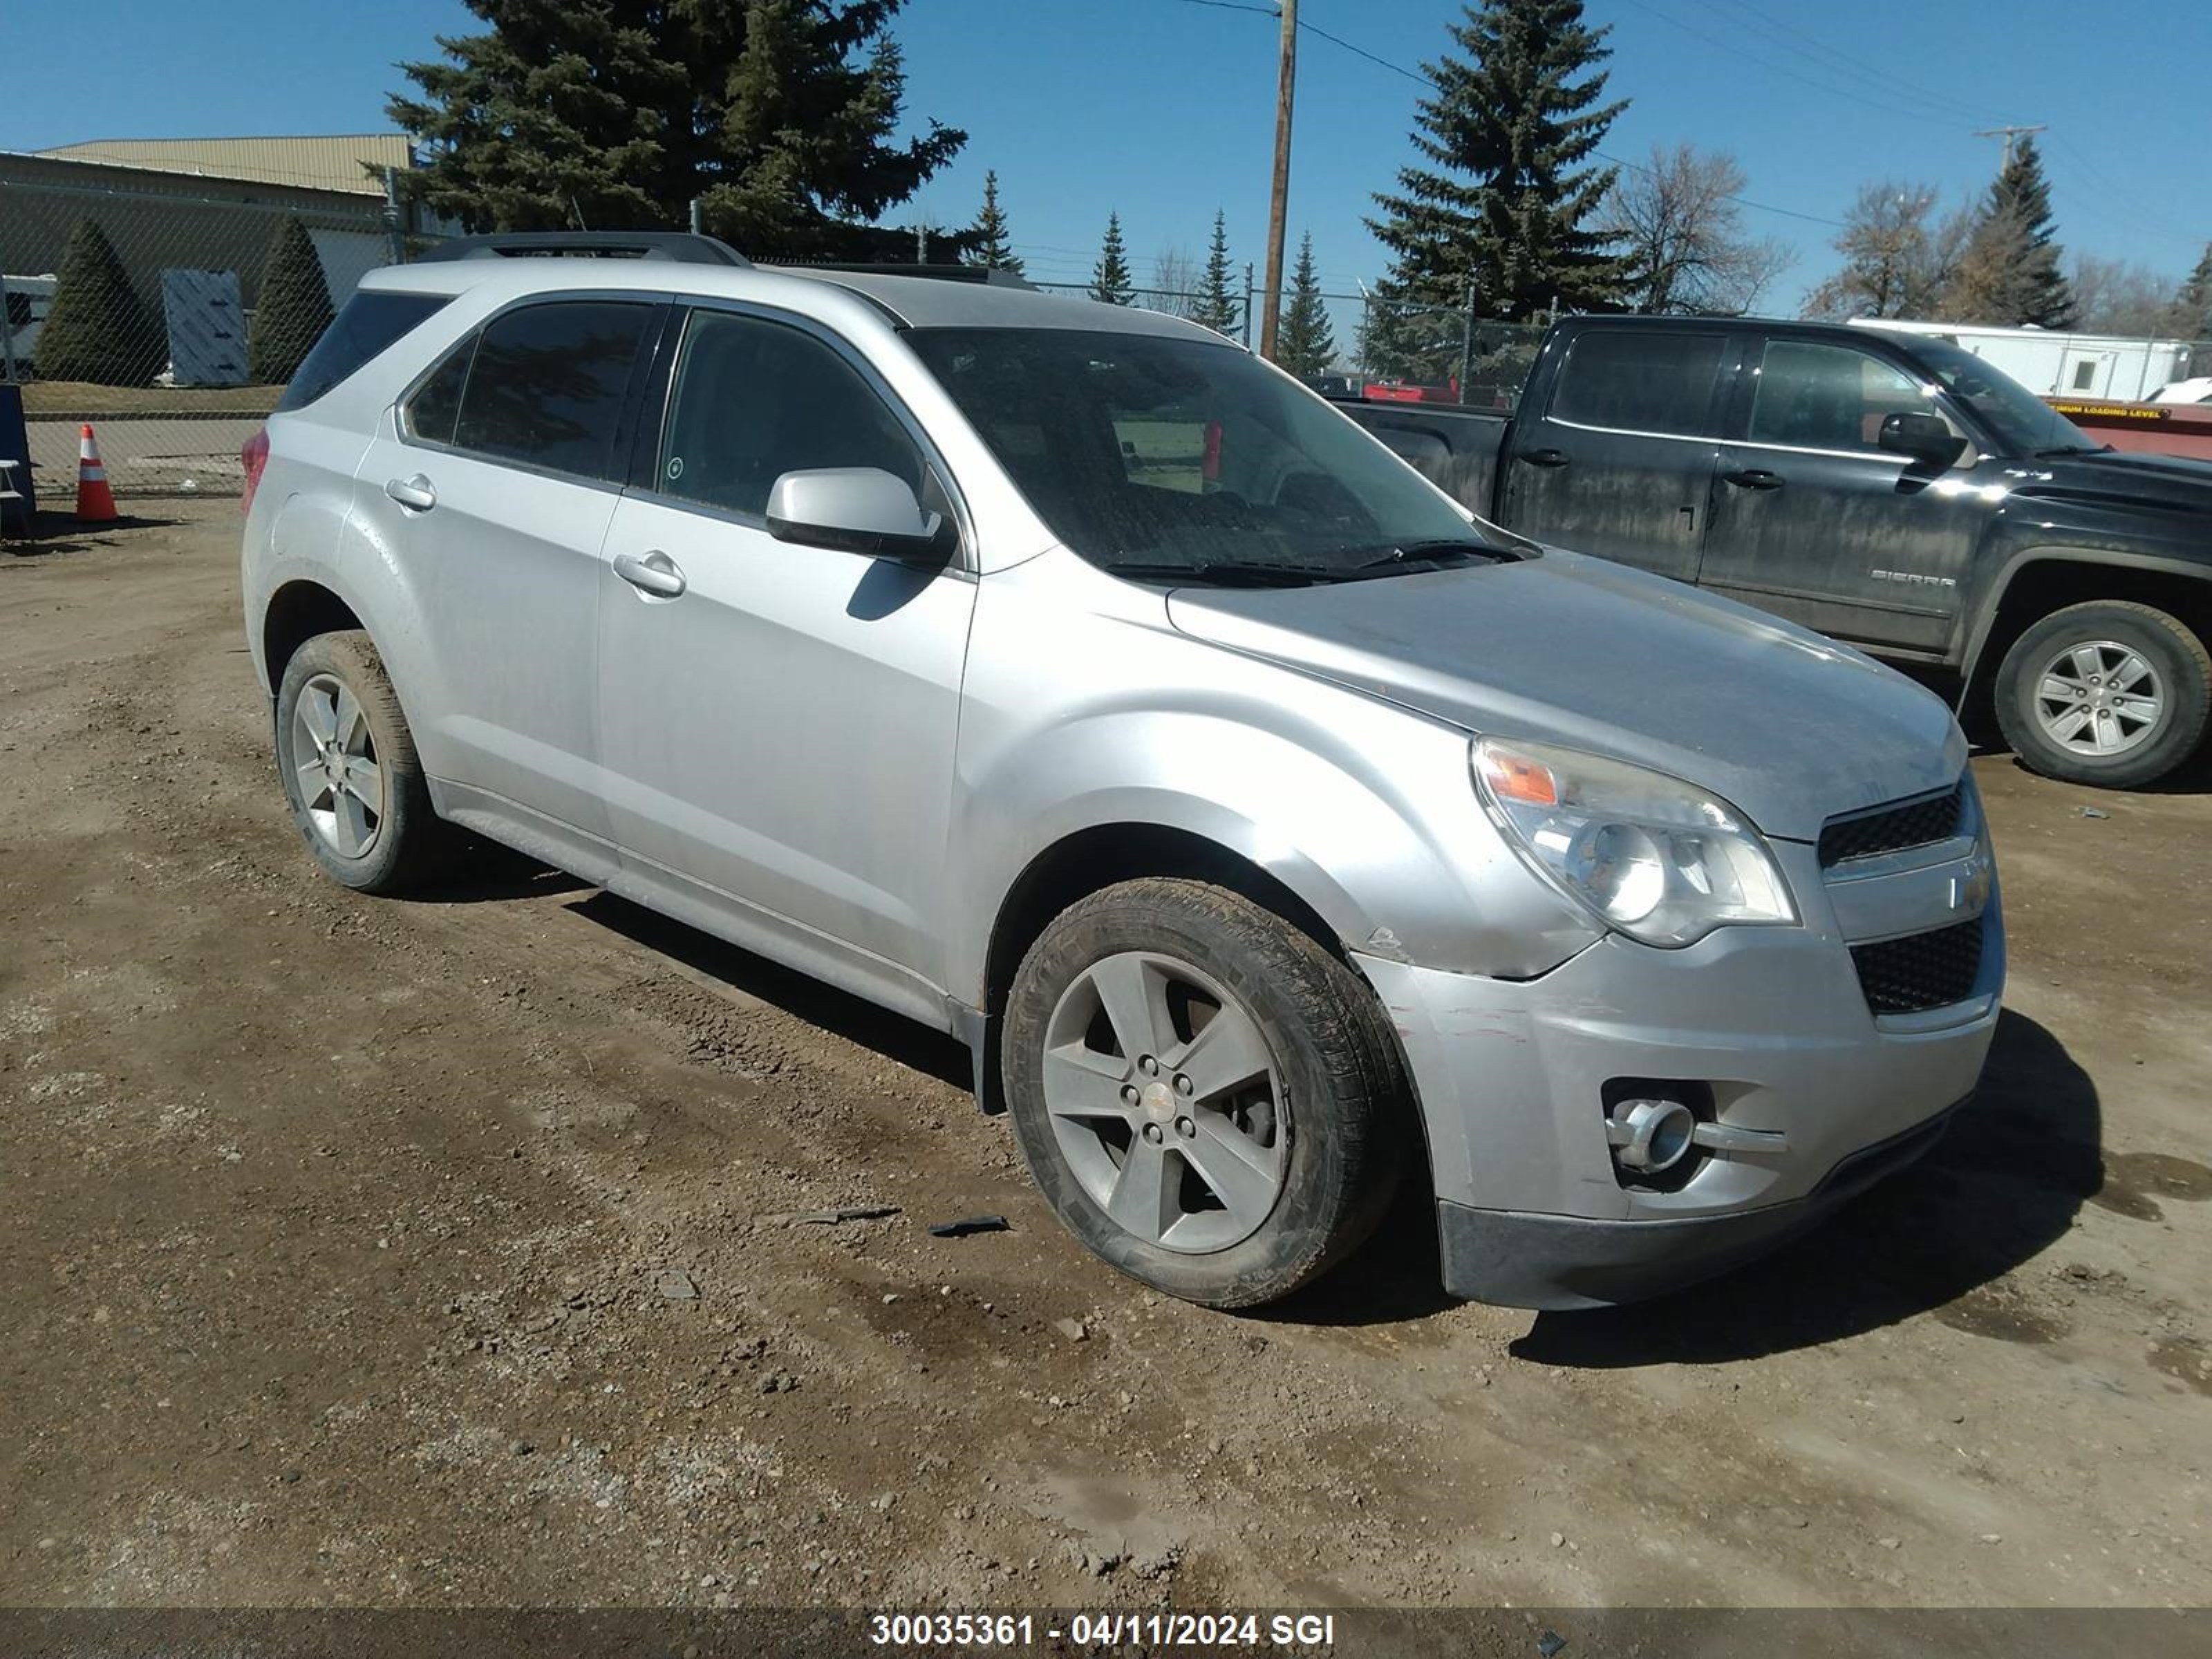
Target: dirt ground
<point x="441" y="1253"/>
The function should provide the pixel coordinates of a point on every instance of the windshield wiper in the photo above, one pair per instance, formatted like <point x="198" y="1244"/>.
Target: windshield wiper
<point x="1414" y="554"/>
<point x="1224" y="573"/>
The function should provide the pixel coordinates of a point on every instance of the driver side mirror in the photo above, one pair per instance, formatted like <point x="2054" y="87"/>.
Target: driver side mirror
<point x="855" y="509"/>
<point x="1925" y="438"/>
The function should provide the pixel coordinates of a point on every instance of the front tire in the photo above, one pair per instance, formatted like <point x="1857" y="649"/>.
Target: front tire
<point x="1207" y="1099"/>
<point x="2111" y="693"/>
<point x="349" y="769"/>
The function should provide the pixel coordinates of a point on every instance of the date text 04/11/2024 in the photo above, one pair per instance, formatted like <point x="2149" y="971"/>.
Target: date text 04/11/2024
<point x="1195" y="1630"/>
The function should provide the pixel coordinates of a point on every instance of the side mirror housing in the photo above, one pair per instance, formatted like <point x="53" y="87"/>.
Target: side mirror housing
<point x="855" y="509"/>
<point x="1924" y="438"/>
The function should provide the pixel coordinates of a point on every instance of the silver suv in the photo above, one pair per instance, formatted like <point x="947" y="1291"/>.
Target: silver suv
<point x="1067" y="678"/>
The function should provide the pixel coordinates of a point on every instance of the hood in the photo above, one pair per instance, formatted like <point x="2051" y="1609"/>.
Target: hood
<point x="2120" y="477"/>
<point x="1790" y="727"/>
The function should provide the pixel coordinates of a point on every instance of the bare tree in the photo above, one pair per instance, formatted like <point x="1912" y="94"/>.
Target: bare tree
<point x="1683" y="234"/>
<point x="1900" y="260"/>
<point x="1176" y="276"/>
<point x="2121" y="296"/>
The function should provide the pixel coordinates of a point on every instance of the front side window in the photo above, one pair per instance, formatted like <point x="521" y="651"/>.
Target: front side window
<point x="1175" y="459"/>
<point x="755" y="399"/>
<point x="1827" y="397"/>
<point x="547" y="383"/>
<point x="1634" y="379"/>
<point x="2023" y="423"/>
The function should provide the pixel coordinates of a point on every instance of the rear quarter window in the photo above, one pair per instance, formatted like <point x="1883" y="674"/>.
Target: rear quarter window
<point x="369" y="324"/>
<point x="547" y="383"/>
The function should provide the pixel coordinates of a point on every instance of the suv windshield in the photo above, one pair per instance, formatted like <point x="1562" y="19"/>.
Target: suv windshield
<point x="2022" y="422"/>
<point x="1186" y="460"/>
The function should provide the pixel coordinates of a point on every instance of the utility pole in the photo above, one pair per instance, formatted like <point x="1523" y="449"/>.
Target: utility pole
<point x="2010" y="134"/>
<point x="1285" y="84"/>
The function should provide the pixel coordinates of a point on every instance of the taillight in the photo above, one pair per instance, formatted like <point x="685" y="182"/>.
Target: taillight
<point x="253" y="455"/>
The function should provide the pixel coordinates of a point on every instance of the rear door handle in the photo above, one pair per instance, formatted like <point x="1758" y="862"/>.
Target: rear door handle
<point x="1542" y="457"/>
<point x="1754" y="478"/>
<point x="415" y="493"/>
<point x="656" y="573"/>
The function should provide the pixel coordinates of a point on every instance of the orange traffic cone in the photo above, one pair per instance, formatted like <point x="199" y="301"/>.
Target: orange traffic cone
<point x="95" y="501"/>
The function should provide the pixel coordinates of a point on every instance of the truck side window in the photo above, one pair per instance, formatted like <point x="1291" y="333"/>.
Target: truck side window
<point x="1827" y="396"/>
<point x="1640" y="381"/>
<point x="755" y="399"/>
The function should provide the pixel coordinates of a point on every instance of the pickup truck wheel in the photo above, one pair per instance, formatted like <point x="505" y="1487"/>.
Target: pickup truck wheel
<point x="2110" y="693"/>
<point x="349" y="769"/>
<point x="1206" y="1098"/>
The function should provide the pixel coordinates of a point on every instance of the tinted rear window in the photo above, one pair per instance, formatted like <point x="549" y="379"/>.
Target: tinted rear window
<point x="368" y="324"/>
<point x="548" y="381"/>
<point x="1640" y="381"/>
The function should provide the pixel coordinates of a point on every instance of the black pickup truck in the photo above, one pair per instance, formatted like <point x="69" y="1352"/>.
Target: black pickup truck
<point x="1891" y="490"/>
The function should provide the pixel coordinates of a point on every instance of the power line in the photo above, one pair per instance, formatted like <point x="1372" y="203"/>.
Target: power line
<point x="1859" y="68"/>
<point x="1891" y="107"/>
<point x="1610" y="161"/>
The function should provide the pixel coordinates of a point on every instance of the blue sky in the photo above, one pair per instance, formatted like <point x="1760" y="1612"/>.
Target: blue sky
<point x="1164" y="109"/>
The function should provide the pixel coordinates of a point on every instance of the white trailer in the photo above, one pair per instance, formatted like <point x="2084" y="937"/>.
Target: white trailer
<point x="2120" y="367"/>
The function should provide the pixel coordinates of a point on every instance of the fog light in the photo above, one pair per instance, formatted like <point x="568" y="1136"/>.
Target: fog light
<point x="1651" y="1136"/>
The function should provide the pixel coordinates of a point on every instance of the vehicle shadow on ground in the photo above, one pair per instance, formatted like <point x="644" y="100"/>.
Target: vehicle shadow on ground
<point x="2001" y="1187"/>
<point x="54" y="533"/>
<point x="933" y="1054"/>
<point x="491" y="874"/>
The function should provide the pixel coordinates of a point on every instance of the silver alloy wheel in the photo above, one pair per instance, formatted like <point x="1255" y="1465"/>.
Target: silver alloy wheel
<point x="1166" y="1102"/>
<point x="2099" y="697"/>
<point x="335" y="759"/>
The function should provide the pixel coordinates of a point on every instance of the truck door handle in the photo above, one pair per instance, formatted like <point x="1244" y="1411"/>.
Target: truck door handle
<point x="1542" y="457"/>
<point x="1754" y="478"/>
<point x="414" y="492"/>
<point x="656" y="573"/>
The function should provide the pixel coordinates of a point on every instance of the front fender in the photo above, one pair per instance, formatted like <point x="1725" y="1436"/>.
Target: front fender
<point x="1364" y="809"/>
<point x="1990" y="602"/>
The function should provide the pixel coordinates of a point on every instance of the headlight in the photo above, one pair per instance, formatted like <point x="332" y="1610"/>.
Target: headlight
<point x="1659" y="861"/>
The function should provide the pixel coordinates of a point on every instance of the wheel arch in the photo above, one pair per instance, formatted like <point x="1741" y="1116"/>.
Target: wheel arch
<point x="2043" y="579"/>
<point x="1098" y="856"/>
<point x="299" y="610"/>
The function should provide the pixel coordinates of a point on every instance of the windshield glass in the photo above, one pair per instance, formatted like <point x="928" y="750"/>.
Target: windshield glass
<point x="2022" y="422"/>
<point x="1181" y="459"/>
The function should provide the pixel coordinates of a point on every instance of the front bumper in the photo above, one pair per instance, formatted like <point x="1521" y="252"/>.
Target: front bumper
<point x="1512" y="1077"/>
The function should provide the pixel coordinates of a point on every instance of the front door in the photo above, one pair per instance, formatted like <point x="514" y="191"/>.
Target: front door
<point x="1814" y="520"/>
<point x="778" y="721"/>
<point x="1619" y="460"/>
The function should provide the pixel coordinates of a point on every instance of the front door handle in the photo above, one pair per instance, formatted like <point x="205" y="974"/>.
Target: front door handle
<point x="1754" y="477"/>
<point x="414" y="492"/>
<point x="656" y="573"/>
<point x="1542" y="457"/>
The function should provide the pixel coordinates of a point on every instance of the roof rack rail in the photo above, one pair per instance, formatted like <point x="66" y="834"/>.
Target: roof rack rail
<point x="943" y="273"/>
<point x="678" y="246"/>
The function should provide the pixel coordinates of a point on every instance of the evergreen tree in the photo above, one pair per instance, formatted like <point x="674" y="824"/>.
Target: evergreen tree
<point x="1303" y="344"/>
<point x="293" y="308"/>
<point x="993" y="251"/>
<point x="780" y="117"/>
<point x="1506" y="204"/>
<point x="1111" y="282"/>
<point x="1217" y="308"/>
<point x="98" y="329"/>
<point x="2190" y="314"/>
<point x="2010" y="274"/>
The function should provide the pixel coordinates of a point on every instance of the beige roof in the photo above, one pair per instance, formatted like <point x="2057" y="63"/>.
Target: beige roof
<point x="316" y="163"/>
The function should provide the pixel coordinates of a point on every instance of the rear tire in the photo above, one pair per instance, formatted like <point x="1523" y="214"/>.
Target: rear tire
<point x="2111" y="694"/>
<point x="349" y="769"/>
<point x="1256" y="1136"/>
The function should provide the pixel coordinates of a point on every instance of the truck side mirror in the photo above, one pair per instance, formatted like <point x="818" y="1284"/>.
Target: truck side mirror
<point x="1925" y="438"/>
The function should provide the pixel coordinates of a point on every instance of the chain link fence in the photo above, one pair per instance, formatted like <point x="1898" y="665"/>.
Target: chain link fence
<point x="1375" y="348"/>
<point x="169" y="314"/>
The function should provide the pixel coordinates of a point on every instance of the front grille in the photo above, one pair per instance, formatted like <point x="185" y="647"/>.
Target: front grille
<point x="1893" y="828"/>
<point x="1921" y="971"/>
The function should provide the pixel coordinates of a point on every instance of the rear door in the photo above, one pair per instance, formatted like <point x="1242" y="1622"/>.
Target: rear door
<point x="1620" y="461"/>
<point x="1814" y="520"/>
<point x="489" y="489"/>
